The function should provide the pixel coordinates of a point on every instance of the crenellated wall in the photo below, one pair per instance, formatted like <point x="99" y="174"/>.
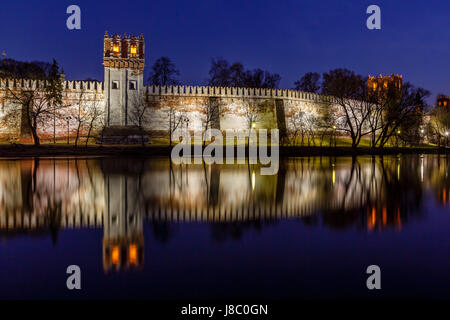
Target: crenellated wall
<point x="78" y="98"/>
<point x="275" y="106"/>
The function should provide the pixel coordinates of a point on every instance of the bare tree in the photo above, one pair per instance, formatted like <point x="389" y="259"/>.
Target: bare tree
<point x="34" y="106"/>
<point x="95" y="115"/>
<point x="304" y="125"/>
<point x="80" y="116"/>
<point x="349" y="92"/>
<point x="175" y="120"/>
<point x="310" y="82"/>
<point x="139" y="108"/>
<point x="251" y="113"/>
<point x="392" y="109"/>
<point x="211" y="115"/>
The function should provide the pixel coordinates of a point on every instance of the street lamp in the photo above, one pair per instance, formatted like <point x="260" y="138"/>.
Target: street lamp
<point x="253" y="125"/>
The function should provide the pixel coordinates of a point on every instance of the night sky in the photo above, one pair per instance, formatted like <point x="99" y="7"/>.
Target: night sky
<point x="287" y="37"/>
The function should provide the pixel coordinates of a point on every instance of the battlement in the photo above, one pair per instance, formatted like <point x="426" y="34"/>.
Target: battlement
<point x="233" y="92"/>
<point x="176" y="91"/>
<point x="86" y="86"/>
<point x="124" y="52"/>
<point x="377" y="83"/>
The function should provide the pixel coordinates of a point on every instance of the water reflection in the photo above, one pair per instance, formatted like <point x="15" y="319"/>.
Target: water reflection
<point x="43" y="196"/>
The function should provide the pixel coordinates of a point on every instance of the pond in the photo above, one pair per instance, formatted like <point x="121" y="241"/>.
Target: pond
<point x="146" y="228"/>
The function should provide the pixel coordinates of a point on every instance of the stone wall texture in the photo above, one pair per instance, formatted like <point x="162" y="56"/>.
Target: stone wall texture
<point x="274" y="107"/>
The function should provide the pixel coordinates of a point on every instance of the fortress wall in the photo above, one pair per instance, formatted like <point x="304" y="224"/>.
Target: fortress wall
<point x="276" y="106"/>
<point x="192" y="101"/>
<point x="88" y="94"/>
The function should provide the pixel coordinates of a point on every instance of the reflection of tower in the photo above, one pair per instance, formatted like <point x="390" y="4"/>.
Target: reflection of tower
<point x="123" y="240"/>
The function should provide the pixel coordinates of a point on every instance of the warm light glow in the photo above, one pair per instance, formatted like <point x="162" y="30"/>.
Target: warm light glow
<point x="133" y="50"/>
<point x="333" y="177"/>
<point x="421" y="169"/>
<point x="253" y="180"/>
<point x="253" y="125"/>
<point x="115" y="255"/>
<point x="116" y="49"/>
<point x="133" y="254"/>
<point x="374" y="86"/>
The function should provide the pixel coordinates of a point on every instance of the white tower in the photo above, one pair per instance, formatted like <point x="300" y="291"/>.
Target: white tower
<point x="123" y="59"/>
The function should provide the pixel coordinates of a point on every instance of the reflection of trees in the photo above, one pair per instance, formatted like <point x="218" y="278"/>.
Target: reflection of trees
<point x="362" y="192"/>
<point x="386" y="192"/>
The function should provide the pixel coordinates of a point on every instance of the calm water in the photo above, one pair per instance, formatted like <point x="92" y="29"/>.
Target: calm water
<point x="142" y="228"/>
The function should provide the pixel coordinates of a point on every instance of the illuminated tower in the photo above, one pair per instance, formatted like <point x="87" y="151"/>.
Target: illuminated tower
<point x="123" y="59"/>
<point x="443" y="101"/>
<point x="381" y="84"/>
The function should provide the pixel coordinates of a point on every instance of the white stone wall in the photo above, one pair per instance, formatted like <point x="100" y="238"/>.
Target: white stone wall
<point x="189" y="101"/>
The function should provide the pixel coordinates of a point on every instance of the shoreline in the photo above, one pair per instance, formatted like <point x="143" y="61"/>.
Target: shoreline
<point x="158" y="151"/>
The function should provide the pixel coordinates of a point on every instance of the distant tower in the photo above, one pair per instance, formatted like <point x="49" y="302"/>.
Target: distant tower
<point x="443" y="101"/>
<point x="123" y="59"/>
<point x="381" y="83"/>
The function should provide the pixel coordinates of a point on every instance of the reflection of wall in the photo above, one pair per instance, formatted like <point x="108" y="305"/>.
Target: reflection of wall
<point x="119" y="195"/>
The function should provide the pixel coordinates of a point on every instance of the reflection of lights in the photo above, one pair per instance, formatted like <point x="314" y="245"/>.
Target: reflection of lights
<point x="398" y="220"/>
<point x="384" y="216"/>
<point x="334" y="175"/>
<point x="133" y="254"/>
<point x="115" y="255"/>
<point x="398" y="171"/>
<point x="421" y="168"/>
<point x="372" y="219"/>
<point x="253" y="180"/>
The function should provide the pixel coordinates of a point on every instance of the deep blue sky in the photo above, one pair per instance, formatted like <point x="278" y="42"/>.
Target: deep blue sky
<point x="287" y="37"/>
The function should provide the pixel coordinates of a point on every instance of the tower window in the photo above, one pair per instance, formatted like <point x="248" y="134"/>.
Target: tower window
<point x="116" y="49"/>
<point x="132" y="85"/>
<point x="133" y="50"/>
<point x="115" y="84"/>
